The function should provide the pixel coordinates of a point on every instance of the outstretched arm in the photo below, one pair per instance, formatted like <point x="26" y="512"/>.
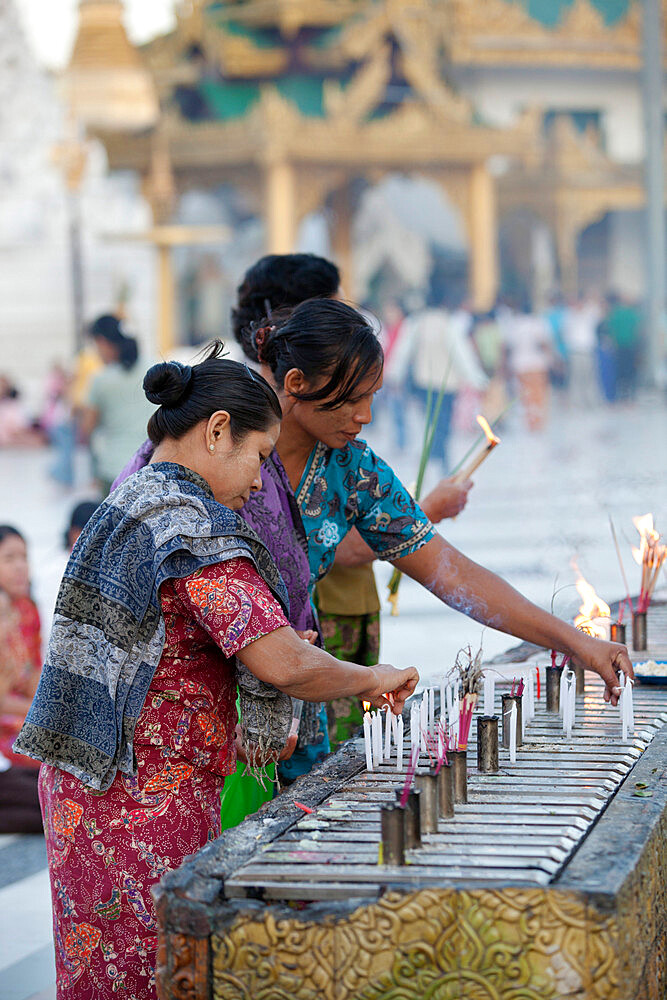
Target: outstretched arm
<point x="304" y="671"/>
<point x="480" y="594"/>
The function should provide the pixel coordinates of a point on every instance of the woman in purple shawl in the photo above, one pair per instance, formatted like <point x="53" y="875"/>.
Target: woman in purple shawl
<point x="277" y="281"/>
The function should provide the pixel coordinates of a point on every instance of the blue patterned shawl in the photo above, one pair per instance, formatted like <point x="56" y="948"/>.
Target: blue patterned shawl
<point x="108" y="631"/>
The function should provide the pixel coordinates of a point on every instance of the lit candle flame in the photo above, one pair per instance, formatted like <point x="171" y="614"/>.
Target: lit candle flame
<point x="592" y="607"/>
<point x="367" y="706"/>
<point x="484" y="424"/>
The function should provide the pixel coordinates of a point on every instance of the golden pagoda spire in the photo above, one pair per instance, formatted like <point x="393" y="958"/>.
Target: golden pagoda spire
<point x="106" y="83"/>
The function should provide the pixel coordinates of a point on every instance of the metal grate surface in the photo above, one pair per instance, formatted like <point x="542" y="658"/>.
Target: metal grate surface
<point x="519" y="826"/>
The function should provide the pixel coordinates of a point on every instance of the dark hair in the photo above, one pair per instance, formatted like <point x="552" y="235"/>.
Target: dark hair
<point x="109" y="328"/>
<point x="9" y="531"/>
<point x="186" y="395"/>
<point x="276" y="281"/>
<point x="321" y="337"/>
<point x="79" y="517"/>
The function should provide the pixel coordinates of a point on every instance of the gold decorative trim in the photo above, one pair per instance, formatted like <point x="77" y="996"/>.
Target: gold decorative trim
<point x="438" y="943"/>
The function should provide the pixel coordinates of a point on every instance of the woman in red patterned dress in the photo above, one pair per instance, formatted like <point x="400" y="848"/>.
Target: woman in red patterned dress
<point x="109" y="843"/>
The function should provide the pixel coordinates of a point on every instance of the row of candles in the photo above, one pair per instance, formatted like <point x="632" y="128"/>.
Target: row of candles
<point x="444" y="784"/>
<point x="435" y="735"/>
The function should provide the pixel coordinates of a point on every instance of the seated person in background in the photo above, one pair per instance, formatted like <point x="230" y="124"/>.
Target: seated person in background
<point x="21" y="641"/>
<point x="19" y="801"/>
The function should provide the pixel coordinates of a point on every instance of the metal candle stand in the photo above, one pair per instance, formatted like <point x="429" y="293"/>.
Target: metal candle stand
<point x="618" y="632"/>
<point x="392" y="822"/>
<point x="553" y="689"/>
<point x="427" y="785"/>
<point x="411" y="819"/>
<point x="487" y="744"/>
<point x="446" y="791"/>
<point x="639" y="640"/>
<point x="460" y="773"/>
<point x="507" y="700"/>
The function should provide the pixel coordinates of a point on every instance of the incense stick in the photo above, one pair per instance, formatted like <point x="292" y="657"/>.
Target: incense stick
<point x="620" y="563"/>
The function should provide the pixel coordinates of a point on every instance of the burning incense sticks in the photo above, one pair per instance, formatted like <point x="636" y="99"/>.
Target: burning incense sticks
<point x="491" y="442"/>
<point x="651" y="556"/>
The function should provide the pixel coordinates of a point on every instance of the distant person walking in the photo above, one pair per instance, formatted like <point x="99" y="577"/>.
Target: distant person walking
<point x="580" y="335"/>
<point x="624" y="328"/>
<point x="117" y="410"/>
<point x="528" y="352"/>
<point x="443" y="355"/>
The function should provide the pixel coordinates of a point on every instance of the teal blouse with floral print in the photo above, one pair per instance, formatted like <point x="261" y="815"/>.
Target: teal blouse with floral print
<point x="351" y="487"/>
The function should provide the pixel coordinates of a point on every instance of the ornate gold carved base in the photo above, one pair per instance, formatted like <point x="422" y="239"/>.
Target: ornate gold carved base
<point x="444" y="944"/>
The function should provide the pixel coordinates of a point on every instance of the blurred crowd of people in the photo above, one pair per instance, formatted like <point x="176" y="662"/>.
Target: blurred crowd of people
<point x="586" y="351"/>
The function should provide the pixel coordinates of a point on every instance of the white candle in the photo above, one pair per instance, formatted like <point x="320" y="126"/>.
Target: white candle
<point x="630" y="706"/>
<point x="399" y="744"/>
<point x="513" y="715"/>
<point x="442" y="697"/>
<point x="441" y="737"/>
<point x="563" y="690"/>
<point x="454" y="718"/>
<point x="569" y="701"/>
<point x="387" y="734"/>
<point x="394" y="727"/>
<point x="414" y="730"/>
<point x="367" y="741"/>
<point x="489" y="693"/>
<point x="377" y="730"/>
<point x="529" y="700"/>
<point x="431" y="710"/>
<point x="423" y="721"/>
<point x="626" y="707"/>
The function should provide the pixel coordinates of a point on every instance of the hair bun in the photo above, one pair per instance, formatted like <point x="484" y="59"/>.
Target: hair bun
<point x="166" y="384"/>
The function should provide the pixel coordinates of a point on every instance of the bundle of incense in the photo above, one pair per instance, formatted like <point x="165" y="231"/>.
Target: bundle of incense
<point x="409" y="776"/>
<point x="470" y="678"/>
<point x="431" y="422"/>
<point x="650" y="555"/>
<point x="465" y="719"/>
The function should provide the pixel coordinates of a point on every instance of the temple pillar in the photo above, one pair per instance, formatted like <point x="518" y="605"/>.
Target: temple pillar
<point x="567" y="235"/>
<point x="280" y="207"/>
<point x="483" y="235"/>
<point x="341" y="238"/>
<point x="166" y="327"/>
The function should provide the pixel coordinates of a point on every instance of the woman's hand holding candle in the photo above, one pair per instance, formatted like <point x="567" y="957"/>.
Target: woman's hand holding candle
<point x="393" y="687"/>
<point x="606" y="659"/>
